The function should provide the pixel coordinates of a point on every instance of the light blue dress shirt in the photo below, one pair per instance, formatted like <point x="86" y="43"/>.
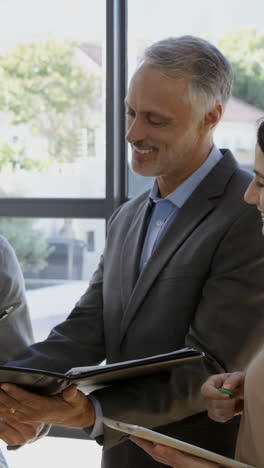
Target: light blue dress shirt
<point x="164" y="211"/>
<point x="3" y="463"/>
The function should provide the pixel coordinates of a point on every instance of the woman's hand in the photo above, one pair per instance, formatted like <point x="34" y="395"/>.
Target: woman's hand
<point x="172" y="457"/>
<point x="220" y="406"/>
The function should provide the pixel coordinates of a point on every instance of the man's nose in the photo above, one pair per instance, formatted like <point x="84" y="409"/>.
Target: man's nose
<point x="136" y="131"/>
<point x="251" y="195"/>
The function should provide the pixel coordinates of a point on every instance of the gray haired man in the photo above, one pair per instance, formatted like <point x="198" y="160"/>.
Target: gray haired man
<point x="182" y="266"/>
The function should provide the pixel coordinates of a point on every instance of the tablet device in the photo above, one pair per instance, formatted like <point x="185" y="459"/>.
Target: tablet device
<point x="158" y="438"/>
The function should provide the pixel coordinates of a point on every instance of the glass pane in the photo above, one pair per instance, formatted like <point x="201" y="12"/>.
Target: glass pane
<point x="58" y="257"/>
<point x="239" y="34"/>
<point x="52" y="98"/>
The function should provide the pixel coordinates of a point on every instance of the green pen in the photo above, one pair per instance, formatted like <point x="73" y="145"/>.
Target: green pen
<point x="228" y="392"/>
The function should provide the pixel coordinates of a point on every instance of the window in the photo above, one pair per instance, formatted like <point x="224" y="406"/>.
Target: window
<point x="52" y="163"/>
<point x="238" y="31"/>
<point x="58" y="257"/>
<point x="52" y="99"/>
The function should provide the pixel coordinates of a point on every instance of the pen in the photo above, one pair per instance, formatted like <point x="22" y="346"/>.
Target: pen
<point x="6" y="312"/>
<point x="228" y="392"/>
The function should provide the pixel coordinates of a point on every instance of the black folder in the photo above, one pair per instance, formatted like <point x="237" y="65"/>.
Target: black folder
<point x="88" y="378"/>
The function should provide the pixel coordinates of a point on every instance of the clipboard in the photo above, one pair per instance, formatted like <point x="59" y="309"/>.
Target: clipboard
<point x="158" y="438"/>
<point x="91" y="377"/>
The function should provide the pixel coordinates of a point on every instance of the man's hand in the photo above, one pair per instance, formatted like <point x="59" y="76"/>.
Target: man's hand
<point x="172" y="457"/>
<point x="220" y="406"/>
<point x="15" y="433"/>
<point x="70" y="408"/>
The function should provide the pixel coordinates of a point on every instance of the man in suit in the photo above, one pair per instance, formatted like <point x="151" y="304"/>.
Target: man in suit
<point x="182" y="266"/>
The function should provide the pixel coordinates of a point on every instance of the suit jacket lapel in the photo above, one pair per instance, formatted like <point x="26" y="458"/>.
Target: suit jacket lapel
<point x="197" y="207"/>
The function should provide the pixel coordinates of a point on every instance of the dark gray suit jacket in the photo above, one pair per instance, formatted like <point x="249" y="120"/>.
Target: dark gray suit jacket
<point x="15" y="329"/>
<point x="202" y="287"/>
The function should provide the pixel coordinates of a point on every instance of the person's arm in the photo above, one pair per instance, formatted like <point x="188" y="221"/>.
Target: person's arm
<point x="15" y="333"/>
<point x="78" y="341"/>
<point x="222" y="406"/>
<point x="15" y="328"/>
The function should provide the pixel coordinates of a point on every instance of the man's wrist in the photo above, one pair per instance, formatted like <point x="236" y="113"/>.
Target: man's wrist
<point x="98" y="429"/>
<point x="91" y="414"/>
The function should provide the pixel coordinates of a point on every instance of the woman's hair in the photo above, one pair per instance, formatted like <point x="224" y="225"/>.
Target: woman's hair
<point x="208" y="71"/>
<point x="260" y="135"/>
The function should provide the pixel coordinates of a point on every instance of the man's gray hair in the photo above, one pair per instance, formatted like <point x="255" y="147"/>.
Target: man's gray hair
<point x="207" y="70"/>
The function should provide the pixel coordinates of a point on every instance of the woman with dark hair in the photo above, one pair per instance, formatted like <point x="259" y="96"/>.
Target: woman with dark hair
<point x="221" y="407"/>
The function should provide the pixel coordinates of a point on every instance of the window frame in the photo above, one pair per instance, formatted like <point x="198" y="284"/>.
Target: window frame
<point x="116" y="152"/>
<point x="115" y="158"/>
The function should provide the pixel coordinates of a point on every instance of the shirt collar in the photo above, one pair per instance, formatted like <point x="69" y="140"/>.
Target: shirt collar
<point x="181" y="194"/>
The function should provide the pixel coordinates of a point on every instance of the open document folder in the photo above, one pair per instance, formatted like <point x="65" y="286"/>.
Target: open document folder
<point x="91" y="377"/>
<point x="158" y="438"/>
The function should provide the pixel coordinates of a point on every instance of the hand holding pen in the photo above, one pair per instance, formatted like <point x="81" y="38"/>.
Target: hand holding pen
<point x="224" y="395"/>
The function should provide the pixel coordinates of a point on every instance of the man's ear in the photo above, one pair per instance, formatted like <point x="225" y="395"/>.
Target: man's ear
<point x="212" y="117"/>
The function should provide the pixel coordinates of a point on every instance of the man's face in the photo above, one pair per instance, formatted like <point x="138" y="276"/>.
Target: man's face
<point x="165" y="137"/>
<point x="255" y="192"/>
